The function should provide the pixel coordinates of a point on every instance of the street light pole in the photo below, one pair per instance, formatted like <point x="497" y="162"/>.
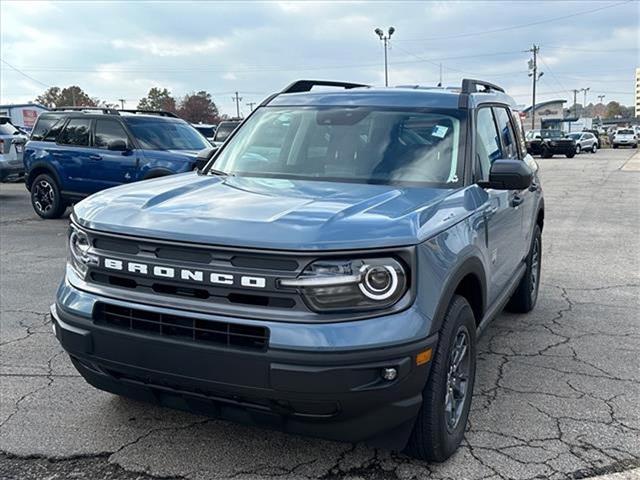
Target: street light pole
<point x="584" y="103"/>
<point x="600" y="98"/>
<point x="385" y="40"/>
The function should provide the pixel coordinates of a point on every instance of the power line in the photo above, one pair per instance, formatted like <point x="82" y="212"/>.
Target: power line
<point x="24" y="74"/>
<point x="522" y="25"/>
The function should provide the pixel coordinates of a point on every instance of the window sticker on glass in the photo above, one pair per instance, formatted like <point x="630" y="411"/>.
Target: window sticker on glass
<point x="439" y="131"/>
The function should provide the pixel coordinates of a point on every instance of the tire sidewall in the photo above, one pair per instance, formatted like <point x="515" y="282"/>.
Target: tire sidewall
<point x="57" y="207"/>
<point x="460" y="316"/>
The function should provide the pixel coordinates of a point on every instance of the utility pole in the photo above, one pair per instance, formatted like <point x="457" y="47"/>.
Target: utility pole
<point x="533" y="67"/>
<point x="385" y="40"/>
<point x="440" y="82"/>
<point x="237" y="99"/>
<point x="250" y="105"/>
<point x="584" y="103"/>
<point x="121" y="100"/>
<point x="575" y="101"/>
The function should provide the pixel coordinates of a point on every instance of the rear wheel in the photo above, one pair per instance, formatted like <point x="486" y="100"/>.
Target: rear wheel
<point x="546" y="153"/>
<point x="446" y="398"/>
<point x="570" y="155"/>
<point x="46" y="198"/>
<point x="526" y="294"/>
<point x="594" y="148"/>
<point x="615" y="146"/>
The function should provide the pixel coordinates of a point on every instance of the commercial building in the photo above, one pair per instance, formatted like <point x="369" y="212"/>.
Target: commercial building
<point x="23" y="115"/>
<point x="549" y="114"/>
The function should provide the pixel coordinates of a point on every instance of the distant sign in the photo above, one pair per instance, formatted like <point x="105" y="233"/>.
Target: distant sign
<point x="29" y="117"/>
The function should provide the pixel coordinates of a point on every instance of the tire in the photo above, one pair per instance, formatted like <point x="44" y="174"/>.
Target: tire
<point x="526" y="294"/>
<point x="570" y="155"/>
<point x="46" y="199"/>
<point x="635" y="145"/>
<point x="594" y="148"/>
<point x="546" y="153"/>
<point x="578" y="149"/>
<point x="436" y="433"/>
<point x="615" y="146"/>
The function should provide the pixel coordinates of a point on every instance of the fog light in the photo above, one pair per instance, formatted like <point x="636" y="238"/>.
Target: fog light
<point x="389" y="374"/>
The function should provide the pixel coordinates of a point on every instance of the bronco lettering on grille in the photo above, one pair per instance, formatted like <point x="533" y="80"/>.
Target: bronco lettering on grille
<point x="200" y="276"/>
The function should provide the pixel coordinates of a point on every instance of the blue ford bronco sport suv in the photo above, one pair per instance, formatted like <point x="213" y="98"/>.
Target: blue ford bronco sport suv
<point x="326" y="273"/>
<point x="77" y="151"/>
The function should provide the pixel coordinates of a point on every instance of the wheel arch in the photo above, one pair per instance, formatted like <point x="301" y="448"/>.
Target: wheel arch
<point x="38" y="169"/>
<point x="469" y="281"/>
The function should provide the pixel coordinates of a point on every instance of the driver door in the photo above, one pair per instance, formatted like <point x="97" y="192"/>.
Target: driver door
<point x="502" y="212"/>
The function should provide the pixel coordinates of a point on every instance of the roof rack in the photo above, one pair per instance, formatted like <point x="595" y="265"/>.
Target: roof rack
<point x="306" y="85"/>
<point x="105" y="110"/>
<point x="470" y="85"/>
<point x="161" y="113"/>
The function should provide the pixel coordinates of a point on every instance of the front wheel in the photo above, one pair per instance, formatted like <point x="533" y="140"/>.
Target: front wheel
<point x="446" y="399"/>
<point x="570" y="155"/>
<point x="46" y="198"/>
<point x="526" y="294"/>
<point x="615" y="146"/>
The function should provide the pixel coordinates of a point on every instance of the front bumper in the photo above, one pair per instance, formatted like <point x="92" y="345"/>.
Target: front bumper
<point x="338" y="395"/>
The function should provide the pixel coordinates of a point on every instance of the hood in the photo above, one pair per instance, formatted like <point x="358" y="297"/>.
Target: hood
<point x="269" y="213"/>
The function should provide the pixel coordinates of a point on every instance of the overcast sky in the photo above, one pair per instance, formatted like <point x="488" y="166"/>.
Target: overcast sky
<point x="121" y="49"/>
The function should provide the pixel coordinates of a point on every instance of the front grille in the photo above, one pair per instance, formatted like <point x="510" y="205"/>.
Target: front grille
<point x="225" y="334"/>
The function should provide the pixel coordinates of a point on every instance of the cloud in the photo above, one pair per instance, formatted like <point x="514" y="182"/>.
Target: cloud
<point x="163" y="47"/>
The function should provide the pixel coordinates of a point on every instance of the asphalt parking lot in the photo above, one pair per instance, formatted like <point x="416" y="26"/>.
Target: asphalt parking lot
<point x="556" y="396"/>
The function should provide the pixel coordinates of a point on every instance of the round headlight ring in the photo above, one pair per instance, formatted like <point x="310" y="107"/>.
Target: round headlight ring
<point x="370" y="291"/>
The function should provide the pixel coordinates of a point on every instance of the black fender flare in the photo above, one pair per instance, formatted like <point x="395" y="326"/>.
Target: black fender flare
<point x="471" y="265"/>
<point x="30" y="177"/>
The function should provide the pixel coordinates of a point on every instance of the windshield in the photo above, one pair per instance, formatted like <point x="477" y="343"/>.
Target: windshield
<point x="206" y="131"/>
<point x="625" y="132"/>
<point x="224" y="130"/>
<point x="551" y="133"/>
<point x="167" y="135"/>
<point x="574" y="136"/>
<point x="350" y="144"/>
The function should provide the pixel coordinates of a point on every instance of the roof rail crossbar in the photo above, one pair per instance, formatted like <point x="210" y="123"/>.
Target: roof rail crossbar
<point x="470" y="85"/>
<point x="161" y="113"/>
<point x="306" y="85"/>
<point x="106" y="110"/>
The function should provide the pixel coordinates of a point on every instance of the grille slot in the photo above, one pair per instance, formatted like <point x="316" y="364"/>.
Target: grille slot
<point x="183" y="328"/>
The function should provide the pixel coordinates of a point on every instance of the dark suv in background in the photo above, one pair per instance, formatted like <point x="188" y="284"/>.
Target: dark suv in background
<point x="74" y="152"/>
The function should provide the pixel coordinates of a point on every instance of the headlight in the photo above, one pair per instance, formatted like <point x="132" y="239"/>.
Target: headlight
<point x="79" y="251"/>
<point x="361" y="284"/>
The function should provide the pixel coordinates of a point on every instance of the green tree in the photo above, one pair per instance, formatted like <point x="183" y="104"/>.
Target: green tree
<point x="614" y="109"/>
<point x="158" y="99"/>
<point x="66" y="97"/>
<point x="199" y="107"/>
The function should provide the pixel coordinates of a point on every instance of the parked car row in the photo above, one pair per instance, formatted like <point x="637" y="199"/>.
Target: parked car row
<point x="12" y="142"/>
<point x="550" y="142"/>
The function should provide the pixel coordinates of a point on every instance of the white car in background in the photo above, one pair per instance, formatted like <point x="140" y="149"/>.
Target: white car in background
<point x="585" y="141"/>
<point x="625" y="137"/>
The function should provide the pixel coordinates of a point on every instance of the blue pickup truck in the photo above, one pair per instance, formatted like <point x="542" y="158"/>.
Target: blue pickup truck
<point x="328" y="271"/>
<point x="77" y="151"/>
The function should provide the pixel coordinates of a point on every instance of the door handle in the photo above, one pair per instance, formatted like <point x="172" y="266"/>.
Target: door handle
<point x="516" y="201"/>
<point x="95" y="157"/>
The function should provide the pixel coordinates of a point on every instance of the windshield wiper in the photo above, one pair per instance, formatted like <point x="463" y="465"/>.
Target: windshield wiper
<point x="220" y="173"/>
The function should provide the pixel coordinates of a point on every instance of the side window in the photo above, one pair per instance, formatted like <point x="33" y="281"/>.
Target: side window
<point x="54" y="131"/>
<point x="76" y="132"/>
<point x="107" y="131"/>
<point x="44" y="123"/>
<point x="517" y="121"/>
<point x="487" y="143"/>
<point x="509" y="146"/>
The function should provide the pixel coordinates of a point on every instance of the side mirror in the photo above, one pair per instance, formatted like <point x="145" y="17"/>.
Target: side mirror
<point x="506" y="174"/>
<point x="204" y="156"/>
<point x="117" y="146"/>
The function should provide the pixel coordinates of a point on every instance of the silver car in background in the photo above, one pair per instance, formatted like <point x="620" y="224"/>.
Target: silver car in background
<point x="12" y="143"/>
<point x="585" y="142"/>
<point x="625" y="137"/>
